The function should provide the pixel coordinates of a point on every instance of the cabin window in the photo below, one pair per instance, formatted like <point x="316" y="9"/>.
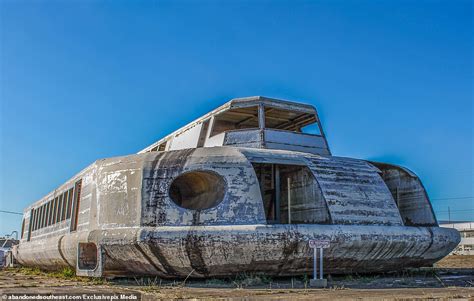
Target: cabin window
<point x="60" y="207"/>
<point x="41" y="217"/>
<point x="291" y="194"/>
<point x="33" y="220"/>
<point x="235" y="119"/>
<point x="197" y="190"/>
<point x="48" y="213"/>
<point x="37" y="218"/>
<point x="22" y="228"/>
<point x="58" y="211"/>
<point x="87" y="256"/>
<point x="288" y="120"/>
<point x="63" y="205"/>
<point x="44" y="215"/>
<point x="69" y="203"/>
<point x="53" y="211"/>
<point x="162" y="147"/>
<point x="75" y="206"/>
<point x="30" y="225"/>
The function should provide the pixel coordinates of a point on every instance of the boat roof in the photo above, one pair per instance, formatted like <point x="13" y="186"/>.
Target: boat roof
<point x="242" y="102"/>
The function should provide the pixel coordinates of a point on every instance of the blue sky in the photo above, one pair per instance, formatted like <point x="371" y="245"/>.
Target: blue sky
<point x="82" y="80"/>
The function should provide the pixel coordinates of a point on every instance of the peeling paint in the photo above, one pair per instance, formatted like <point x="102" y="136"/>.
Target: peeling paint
<point x="377" y="216"/>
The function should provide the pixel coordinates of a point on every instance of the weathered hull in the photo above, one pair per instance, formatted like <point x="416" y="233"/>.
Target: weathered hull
<point x="277" y="250"/>
<point x="127" y="223"/>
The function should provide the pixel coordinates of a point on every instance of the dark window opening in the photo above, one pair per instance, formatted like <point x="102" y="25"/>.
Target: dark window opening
<point x="69" y="203"/>
<point x="44" y="218"/>
<point x="55" y="210"/>
<point x="41" y="222"/>
<point x="87" y="256"/>
<point x="59" y="209"/>
<point x="33" y="220"/>
<point x="30" y="225"/>
<point x="291" y="195"/>
<point x="22" y="228"/>
<point x="197" y="190"/>
<point x="63" y="205"/>
<point x="162" y="147"/>
<point x="76" y="204"/>
<point x="235" y="119"/>
<point x="39" y="217"/>
<point x="48" y="214"/>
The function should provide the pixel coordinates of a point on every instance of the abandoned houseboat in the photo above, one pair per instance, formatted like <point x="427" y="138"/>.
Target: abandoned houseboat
<point x="241" y="189"/>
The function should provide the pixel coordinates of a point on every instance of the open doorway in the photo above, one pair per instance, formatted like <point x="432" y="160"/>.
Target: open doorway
<point x="291" y="194"/>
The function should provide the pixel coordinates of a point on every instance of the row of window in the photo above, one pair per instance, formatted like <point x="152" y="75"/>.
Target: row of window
<point x="54" y="211"/>
<point x="57" y="210"/>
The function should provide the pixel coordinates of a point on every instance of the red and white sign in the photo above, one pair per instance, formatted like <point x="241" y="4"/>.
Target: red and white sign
<point x="317" y="243"/>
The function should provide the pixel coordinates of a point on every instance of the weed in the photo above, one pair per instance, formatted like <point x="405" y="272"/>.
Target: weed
<point x="30" y="271"/>
<point x="68" y="272"/>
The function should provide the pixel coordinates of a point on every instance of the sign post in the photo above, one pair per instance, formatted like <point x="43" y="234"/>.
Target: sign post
<point x="315" y="245"/>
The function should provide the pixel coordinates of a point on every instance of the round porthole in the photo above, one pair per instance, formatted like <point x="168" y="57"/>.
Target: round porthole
<point x="197" y="190"/>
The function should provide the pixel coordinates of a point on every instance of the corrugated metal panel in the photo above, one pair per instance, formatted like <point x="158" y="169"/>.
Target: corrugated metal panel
<point x="355" y="193"/>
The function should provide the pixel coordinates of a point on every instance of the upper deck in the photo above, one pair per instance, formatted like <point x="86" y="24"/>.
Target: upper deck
<point x="257" y="122"/>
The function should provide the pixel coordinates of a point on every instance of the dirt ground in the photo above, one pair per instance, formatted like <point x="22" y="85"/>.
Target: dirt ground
<point x="451" y="278"/>
<point x="456" y="262"/>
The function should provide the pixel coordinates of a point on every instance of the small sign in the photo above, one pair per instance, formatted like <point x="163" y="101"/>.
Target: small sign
<point x="316" y="243"/>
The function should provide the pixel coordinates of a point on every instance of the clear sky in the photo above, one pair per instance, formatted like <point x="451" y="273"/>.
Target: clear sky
<point x="83" y="80"/>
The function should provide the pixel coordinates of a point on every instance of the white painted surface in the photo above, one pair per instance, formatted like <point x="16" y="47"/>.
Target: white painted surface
<point x="217" y="140"/>
<point x="466" y="229"/>
<point x="187" y="139"/>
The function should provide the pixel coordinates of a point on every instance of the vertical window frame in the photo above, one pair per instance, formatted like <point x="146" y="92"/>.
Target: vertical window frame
<point x="69" y="203"/>
<point x="30" y="225"/>
<point x="76" y="205"/>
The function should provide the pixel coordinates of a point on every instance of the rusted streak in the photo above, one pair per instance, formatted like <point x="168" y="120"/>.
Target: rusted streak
<point x="140" y="249"/>
<point x="155" y="249"/>
<point x="193" y="249"/>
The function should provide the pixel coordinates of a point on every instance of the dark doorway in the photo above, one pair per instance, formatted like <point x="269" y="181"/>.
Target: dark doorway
<point x="291" y="194"/>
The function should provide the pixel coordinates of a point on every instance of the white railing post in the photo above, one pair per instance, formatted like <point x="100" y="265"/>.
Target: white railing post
<point x="315" y="263"/>
<point x="321" y="263"/>
<point x="289" y="201"/>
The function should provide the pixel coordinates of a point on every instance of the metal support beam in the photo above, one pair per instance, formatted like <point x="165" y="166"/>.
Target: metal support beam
<point x="277" y="193"/>
<point x="261" y="116"/>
